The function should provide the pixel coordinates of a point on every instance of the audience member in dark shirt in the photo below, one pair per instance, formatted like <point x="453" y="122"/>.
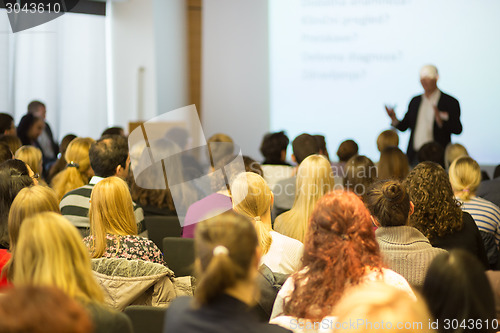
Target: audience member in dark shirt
<point x="228" y="257"/>
<point x="437" y="213"/>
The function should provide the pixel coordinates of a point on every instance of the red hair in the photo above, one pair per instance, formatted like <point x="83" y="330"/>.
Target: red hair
<point x="339" y="249"/>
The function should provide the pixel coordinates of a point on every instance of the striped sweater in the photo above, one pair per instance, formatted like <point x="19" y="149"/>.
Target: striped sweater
<point x="75" y="207"/>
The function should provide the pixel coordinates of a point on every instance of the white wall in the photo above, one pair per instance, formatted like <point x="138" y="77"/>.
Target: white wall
<point x="235" y="84"/>
<point x="132" y="47"/>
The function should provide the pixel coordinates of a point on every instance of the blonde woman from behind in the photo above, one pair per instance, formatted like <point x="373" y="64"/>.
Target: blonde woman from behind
<point x="113" y="229"/>
<point x="32" y="156"/>
<point x="50" y="252"/>
<point x="78" y="171"/>
<point x="314" y="179"/>
<point x="465" y="177"/>
<point x="253" y="198"/>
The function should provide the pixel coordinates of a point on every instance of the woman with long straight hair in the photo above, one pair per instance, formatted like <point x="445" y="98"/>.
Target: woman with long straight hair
<point x="113" y="229"/>
<point x="78" y="170"/>
<point x="49" y="252"/>
<point x="314" y="179"/>
<point x="253" y="198"/>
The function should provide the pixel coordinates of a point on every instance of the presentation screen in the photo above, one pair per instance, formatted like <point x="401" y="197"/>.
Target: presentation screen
<point x="334" y="64"/>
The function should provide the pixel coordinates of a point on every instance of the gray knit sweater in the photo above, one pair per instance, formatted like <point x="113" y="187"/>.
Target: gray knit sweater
<point x="406" y="251"/>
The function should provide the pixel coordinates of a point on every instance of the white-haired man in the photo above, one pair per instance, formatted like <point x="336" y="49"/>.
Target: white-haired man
<point x="432" y="116"/>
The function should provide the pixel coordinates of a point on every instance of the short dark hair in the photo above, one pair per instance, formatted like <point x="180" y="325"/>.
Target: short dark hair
<point x="6" y="121"/>
<point x="107" y="153"/>
<point x="5" y="152"/>
<point x="347" y="149"/>
<point x="431" y="152"/>
<point x="303" y="146"/>
<point x="113" y="131"/>
<point x="272" y="145"/>
<point x="34" y="105"/>
<point x="456" y="287"/>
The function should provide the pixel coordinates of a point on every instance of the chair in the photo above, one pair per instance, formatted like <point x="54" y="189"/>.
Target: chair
<point x="179" y="255"/>
<point x="159" y="227"/>
<point x="148" y="319"/>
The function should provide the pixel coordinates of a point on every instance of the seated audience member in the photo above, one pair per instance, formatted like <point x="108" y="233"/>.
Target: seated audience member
<point x="388" y="138"/>
<point x="465" y="176"/>
<point x="12" y="141"/>
<point x="50" y="252"/>
<point x="320" y="139"/>
<point x="457" y="289"/>
<point x="220" y="146"/>
<point x="191" y="164"/>
<point x="253" y="198"/>
<point x="61" y="163"/>
<point x="227" y="260"/>
<point x="340" y="251"/>
<point x="42" y="310"/>
<point x="314" y="179"/>
<point x="14" y="176"/>
<point x="347" y="149"/>
<point x="28" y="202"/>
<point x="149" y="189"/>
<point x="220" y="201"/>
<point x="437" y="213"/>
<point x="393" y="164"/>
<point x="117" y="130"/>
<point x="431" y="152"/>
<point x="7" y="125"/>
<point x="375" y="303"/>
<point x="494" y="279"/>
<point x="108" y="157"/>
<point x="113" y="230"/>
<point x="32" y="156"/>
<point x="490" y="189"/>
<point x="29" y="130"/>
<point x="273" y="148"/>
<point x="5" y="153"/>
<point x="360" y="173"/>
<point x="452" y="152"/>
<point x="45" y="141"/>
<point x="404" y="249"/>
<point x="284" y="191"/>
<point x="77" y="171"/>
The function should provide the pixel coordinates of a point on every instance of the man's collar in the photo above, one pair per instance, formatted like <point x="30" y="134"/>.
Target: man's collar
<point x="95" y="179"/>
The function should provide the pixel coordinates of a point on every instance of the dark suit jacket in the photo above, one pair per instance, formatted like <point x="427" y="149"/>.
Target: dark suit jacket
<point x="442" y="134"/>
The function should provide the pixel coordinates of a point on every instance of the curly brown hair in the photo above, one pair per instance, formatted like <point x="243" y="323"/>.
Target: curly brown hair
<point x="437" y="213"/>
<point x="339" y="249"/>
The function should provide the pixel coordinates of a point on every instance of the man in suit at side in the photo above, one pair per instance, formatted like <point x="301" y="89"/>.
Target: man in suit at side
<point x="432" y="116"/>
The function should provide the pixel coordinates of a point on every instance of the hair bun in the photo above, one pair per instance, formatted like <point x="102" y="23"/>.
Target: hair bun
<point x="393" y="192"/>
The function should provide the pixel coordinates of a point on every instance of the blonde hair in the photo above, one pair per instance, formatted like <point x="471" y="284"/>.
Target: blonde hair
<point x="465" y="177"/>
<point x="50" y="252"/>
<point x="452" y="152"/>
<point x="75" y="173"/>
<point x="219" y="146"/>
<point x="253" y="198"/>
<point x="314" y="179"/>
<point x="376" y="302"/>
<point x="28" y="202"/>
<point x="32" y="156"/>
<point x="388" y="138"/>
<point x="111" y="212"/>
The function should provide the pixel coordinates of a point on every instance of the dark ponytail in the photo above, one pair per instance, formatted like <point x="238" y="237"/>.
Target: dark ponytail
<point x="225" y="248"/>
<point x="389" y="202"/>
